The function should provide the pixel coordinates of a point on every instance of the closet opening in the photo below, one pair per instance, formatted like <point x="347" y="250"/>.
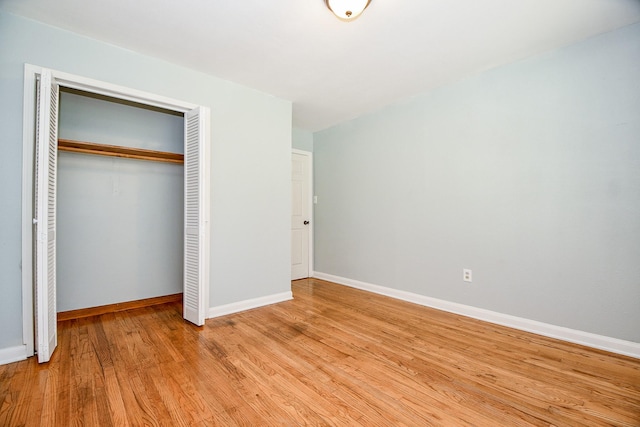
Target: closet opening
<point x="112" y="177"/>
<point x="120" y="191"/>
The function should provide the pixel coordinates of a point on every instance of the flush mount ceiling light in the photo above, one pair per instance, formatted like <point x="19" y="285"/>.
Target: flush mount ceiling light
<point x="347" y="10"/>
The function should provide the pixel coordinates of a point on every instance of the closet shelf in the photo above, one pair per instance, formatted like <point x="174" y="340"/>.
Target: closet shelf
<point x="118" y="151"/>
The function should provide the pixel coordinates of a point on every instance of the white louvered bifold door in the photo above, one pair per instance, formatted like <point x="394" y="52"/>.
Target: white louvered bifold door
<point x="196" y="221"/>
<point x="45" y="217"/>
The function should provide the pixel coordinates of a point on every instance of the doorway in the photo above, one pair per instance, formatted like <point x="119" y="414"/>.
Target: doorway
<point x="119" y="219"/>
<point x="39" y="186"/>
<point x="301" y="214"/>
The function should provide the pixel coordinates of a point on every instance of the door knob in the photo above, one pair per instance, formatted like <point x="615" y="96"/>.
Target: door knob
<point x="306" y="223"/>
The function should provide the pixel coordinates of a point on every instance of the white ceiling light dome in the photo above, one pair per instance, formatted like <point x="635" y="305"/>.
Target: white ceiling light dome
<point x="347" y="10"/>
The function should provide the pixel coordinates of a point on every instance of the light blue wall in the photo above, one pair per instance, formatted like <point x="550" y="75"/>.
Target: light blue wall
<point x="120" y="221"/>
<point x="302" y="140"/>
<point x="250" y="167"/>
<point x="95" y="118"/>
<point x="529" y="174"/>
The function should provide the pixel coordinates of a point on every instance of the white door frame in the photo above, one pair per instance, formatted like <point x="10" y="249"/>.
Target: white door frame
<point x="311" y="198"/>
<point x="28" y="138"/>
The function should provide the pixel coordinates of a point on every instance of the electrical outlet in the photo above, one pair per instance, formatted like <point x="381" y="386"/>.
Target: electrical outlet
<point x="467" y="275"/>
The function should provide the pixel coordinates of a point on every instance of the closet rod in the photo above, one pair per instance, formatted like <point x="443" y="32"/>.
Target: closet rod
<point x="118" y="151"/>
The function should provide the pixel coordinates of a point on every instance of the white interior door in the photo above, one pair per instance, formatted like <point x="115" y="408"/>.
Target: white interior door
<point x="300" y="215"/>
<point x="196" y="216"/>
<point x="45" y="216"/>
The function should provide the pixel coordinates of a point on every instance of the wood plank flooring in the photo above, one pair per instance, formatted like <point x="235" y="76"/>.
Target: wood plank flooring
<point x="332" y="356"/>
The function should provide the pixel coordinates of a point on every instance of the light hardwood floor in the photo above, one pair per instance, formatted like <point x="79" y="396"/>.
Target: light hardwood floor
<point x="332" y="356"/>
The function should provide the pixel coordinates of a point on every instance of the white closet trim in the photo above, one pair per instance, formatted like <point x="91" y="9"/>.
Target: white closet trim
<point x="102" y="88"/>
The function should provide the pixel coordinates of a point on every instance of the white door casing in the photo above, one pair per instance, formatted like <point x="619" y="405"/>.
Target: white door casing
<point x="40" y="272"/>
<point x="45" y="216"/>
<point x="301" y="208"/>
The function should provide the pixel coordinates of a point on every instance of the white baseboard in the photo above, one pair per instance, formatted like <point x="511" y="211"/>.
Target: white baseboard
<point x="236" y="307"/>
<point x="13" y="354"/>
<point x="614" y="345"/>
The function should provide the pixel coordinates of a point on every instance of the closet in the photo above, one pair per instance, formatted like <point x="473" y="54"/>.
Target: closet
<point x="41" y="232"/>
<point x="120" y="201"/>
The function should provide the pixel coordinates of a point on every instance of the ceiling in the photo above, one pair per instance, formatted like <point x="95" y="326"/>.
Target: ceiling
<point x="331" y="70"/>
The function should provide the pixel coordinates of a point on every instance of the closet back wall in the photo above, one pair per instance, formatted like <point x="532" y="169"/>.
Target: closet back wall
<point x="120" y="221"/>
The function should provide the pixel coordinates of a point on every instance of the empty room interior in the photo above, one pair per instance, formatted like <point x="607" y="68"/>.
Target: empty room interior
<point x="436" y="206"/>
